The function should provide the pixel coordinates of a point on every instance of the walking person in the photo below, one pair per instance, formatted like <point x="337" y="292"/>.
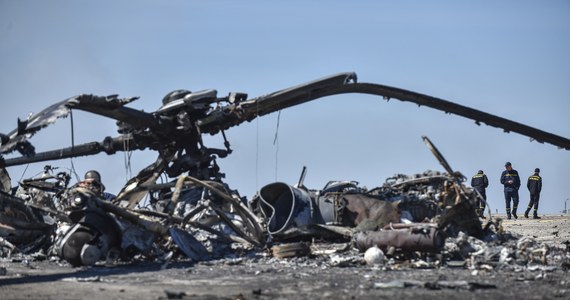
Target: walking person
<point x="511" y="181"/>
<point x="480" y="182"/>
<point x="534" y="185"/>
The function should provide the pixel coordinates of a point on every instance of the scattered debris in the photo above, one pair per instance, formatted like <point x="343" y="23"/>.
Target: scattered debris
<point x="374" y="256"/>
<point x="436" y="285"/>
<point x="291" y="250"/>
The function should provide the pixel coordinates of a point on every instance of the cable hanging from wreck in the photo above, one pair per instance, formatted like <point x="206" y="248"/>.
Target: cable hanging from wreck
<point x="276" y="144"/>
<point x="72" y="144"/>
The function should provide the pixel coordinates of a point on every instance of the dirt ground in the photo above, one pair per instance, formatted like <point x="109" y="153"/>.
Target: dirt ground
<point x="551" y="229"/>
<point x="325" y="276"/>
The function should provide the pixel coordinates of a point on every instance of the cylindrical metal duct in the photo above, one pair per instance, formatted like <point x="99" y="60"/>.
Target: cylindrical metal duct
<point x="285" y="206"/>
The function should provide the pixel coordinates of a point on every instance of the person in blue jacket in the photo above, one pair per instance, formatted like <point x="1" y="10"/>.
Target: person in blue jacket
<point x="511" y="181"/>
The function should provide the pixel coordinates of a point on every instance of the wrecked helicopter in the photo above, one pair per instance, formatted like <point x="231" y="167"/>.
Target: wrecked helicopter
<point x="82" y="228"/>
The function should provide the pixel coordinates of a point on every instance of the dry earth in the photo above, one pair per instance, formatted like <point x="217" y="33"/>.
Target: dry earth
<point x="263" y="277"/>
<point x="551" y="229"/>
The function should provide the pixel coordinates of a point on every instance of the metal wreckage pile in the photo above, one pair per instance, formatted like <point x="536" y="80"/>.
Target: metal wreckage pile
<point x="428" y="219"/>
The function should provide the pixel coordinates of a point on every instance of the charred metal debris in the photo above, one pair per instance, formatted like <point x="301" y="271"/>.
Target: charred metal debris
<point x="421" y="221"/>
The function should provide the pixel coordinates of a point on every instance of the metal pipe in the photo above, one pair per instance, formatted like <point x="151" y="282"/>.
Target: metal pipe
<point x="424" y="239"/>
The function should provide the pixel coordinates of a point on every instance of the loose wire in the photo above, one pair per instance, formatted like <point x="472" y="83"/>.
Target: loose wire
<point x="276" y="144"/>
<point x="72" y="145"/>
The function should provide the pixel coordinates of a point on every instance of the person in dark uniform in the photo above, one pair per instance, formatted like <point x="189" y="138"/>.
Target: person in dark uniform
<point x="480" y="182"/>
<point x="92" y="181"/>
<point x="534" y="185"/>
<point x="511" y="181"/>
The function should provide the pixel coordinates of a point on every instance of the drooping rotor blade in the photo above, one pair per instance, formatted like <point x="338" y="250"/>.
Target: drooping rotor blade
<point x="449" y="107"/>
<point x="344" y="83"/>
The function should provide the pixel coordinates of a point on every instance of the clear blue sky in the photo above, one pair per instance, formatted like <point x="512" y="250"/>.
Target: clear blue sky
<point x="508" y="58"/>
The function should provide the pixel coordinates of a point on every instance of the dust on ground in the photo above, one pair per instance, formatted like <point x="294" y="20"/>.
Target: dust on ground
<point x="550" y="229"/>
<point x="264" y="277"/>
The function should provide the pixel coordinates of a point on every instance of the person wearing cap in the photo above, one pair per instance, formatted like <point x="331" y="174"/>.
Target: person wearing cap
<point x="511" y="181"/>
<point x="92" y="181"/>
<point x="534" y="185"/>
<point x="480" y="182"/>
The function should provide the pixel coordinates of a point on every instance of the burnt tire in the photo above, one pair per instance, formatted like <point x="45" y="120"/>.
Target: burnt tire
<point x="72" y="248"/>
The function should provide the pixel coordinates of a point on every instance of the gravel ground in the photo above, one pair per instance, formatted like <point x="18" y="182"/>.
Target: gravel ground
<point x="331" y="277"/>
<point x="551" y="229"/>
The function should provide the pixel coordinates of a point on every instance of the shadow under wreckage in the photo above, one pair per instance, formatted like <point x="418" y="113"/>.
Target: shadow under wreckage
<point x="197" y="216"/>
